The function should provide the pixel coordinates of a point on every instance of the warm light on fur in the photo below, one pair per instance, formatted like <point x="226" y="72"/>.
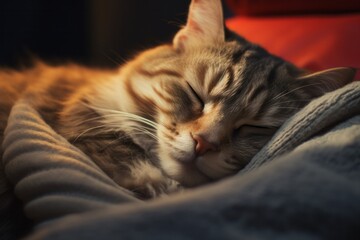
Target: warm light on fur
<point x="177" y="115"/>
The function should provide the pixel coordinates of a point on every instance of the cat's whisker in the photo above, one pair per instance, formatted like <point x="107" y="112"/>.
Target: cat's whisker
<point x="113" y="127"/>
<point x="295" y="108"/>
<point x="118" y="56"/>
<point x="110" y="143"/>
<point x="88" y="130"/>
<point x="136" y="119"/>
<point x="129" y="115"/>
<point x="141" y="129"/>
<point x="283" y="94"/>
<point x="144" y="131"/>
<point x="91" y="119"/>
<point x="133" y="123"/>
<point x="295" y="101"/>
<point x="111" y="59"/>
<point x="132" y="117"/>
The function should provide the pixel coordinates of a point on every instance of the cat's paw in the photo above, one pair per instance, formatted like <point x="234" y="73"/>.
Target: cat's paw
<point x="157" y="189"/>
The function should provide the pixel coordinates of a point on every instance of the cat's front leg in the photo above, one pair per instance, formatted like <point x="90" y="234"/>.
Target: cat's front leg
<point x="148" y="181"/>
<point x="128" y="165"/>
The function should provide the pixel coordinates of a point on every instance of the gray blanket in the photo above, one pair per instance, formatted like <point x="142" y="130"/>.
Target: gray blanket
<point x="304" y="184"/>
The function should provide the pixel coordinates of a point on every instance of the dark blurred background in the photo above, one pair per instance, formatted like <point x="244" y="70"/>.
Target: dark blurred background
<point x="91" y="32"/>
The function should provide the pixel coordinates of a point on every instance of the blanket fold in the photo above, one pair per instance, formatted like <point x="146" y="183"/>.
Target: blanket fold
<point x="304" y="184"/>
<point x="52" y="177"/>
<point x="320" y="115"/>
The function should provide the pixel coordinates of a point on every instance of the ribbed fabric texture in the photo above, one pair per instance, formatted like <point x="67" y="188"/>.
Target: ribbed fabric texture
<point x="316" y="117"/>
<point x="52" y="177"/>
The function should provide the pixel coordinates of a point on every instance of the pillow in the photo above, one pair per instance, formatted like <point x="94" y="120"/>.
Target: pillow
<point x="310" y="42"/>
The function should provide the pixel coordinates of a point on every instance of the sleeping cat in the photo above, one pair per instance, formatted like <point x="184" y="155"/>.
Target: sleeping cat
<point x="178" y="115"/>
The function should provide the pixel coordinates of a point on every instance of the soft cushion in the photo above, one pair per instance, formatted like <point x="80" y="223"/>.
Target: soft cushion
<point x="311" y="42"/>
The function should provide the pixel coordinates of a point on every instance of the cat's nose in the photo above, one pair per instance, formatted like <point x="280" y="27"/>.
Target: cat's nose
<point x="202" y="145"/>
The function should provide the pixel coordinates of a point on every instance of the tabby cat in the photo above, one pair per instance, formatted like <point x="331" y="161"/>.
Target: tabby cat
<point x="178" y="115"/>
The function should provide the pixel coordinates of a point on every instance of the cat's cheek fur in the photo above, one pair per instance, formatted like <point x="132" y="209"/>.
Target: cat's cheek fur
<point x="184" y="150"/>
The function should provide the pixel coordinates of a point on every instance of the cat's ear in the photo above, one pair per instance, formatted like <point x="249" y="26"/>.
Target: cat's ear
<point x="205" y="24"/>
<point x="319" y="83"/>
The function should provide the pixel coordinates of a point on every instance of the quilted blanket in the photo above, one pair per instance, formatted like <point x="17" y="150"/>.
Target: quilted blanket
<point x="304" y="184"/>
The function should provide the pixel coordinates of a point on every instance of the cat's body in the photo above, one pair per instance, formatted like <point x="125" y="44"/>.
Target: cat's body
<point x="59" y="94"/>
<point x="178" y="115"/>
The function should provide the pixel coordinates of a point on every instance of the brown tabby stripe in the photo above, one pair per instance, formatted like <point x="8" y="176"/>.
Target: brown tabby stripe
<point x="245" y="83"/>
<point x="214" y="80"/>
<point x="230" y="81"/>
<point x="240" y="88"/>
<point x="264" y="87"/>
<point x="170" y="127"/>
<point x="236" y="57"/>
<point x="201" y="71"/>
<point x="160" y="94"/>
<point x="163" y="110"/>
<point x="217" y="98"/>
<point x="144" y="103"/>
<point x="272" y="75"/>
<point x="156" y="73"/>
<point x="169" y="136"/>
<point x="257" y="91"/>
<point x="265" y="106"/>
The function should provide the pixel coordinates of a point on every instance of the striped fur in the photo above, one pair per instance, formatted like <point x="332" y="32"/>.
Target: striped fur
<point x="138" y="122"/>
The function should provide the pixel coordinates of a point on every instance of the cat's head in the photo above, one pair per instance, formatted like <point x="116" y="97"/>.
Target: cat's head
<point x="215" y="97"/>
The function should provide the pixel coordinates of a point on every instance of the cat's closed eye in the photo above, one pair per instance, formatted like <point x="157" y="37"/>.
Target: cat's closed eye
<point x="254" y="130"/>
<point x="196" y="95"/>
